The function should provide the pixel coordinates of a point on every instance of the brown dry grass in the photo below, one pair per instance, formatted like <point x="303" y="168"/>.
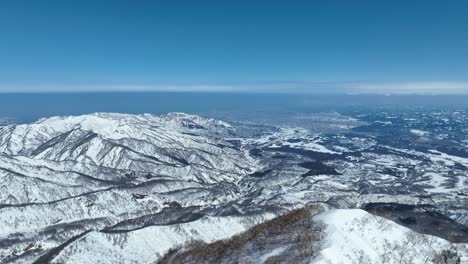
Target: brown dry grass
<point x="295" y="230"/>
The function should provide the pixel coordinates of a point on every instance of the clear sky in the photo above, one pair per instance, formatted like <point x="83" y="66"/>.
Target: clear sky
<point x="288" y="46"/>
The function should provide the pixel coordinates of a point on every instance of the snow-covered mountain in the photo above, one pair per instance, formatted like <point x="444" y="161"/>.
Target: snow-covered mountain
<point x="127" y="188"/>
<point x="173" y="145"/>
<point x="311" y="235"/>
<point x="61" y="176"/>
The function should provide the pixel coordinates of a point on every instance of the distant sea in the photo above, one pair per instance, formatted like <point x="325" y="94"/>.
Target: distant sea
<point x="27" y="107"/>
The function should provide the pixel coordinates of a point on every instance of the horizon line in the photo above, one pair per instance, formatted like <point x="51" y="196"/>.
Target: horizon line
<point x="318" y="87"/>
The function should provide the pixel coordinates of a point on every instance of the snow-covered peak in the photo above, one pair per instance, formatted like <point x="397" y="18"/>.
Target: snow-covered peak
<point x="183" y="117"/>
<point x="118" y="125"/>
<point x="174" y="145"/>
<point x="356" y="236"/>
<point x="100" y="123"/>
<point x="162" y="130"/>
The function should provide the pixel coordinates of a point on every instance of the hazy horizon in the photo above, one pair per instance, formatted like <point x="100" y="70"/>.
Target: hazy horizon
<point x="211" y="46"/>
<point x="27" y="107"/>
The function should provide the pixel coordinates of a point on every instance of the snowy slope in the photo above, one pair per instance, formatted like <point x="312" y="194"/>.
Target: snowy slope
<point x="125" y="188"/>
<point x="148" y="244"/>
<point x="170" y="145"/>
<point x="63" y="176"/>
<point x="355" y="236"/>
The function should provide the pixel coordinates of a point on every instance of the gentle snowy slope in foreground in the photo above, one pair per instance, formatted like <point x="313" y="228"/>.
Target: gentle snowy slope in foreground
<point x="352" y="236"/>
<point x="335" y="236"/>
<point x="355" y="236"/>
<point x="148" y="244"/>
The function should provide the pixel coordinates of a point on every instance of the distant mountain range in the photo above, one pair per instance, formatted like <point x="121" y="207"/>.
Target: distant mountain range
<point x="120" y="188"/>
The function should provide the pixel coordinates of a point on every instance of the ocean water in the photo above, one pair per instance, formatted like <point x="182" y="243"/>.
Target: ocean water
<point x="27" y="107"/>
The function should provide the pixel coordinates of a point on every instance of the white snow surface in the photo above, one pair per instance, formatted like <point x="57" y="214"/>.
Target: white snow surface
<point x="419" y="132"/>
<point x="293" y="137"/>
<point x="355" y="236"/>
<point x="352" y="236"/>
<point x="147" y="245"/>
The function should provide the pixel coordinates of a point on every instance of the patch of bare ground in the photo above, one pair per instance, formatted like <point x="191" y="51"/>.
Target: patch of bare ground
<point x="293" y="237"/>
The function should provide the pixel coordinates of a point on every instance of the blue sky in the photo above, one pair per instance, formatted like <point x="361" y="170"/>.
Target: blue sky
<point x="265" y="46"/>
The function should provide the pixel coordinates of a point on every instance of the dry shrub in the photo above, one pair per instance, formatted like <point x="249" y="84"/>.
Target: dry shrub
<point x="274" y="260"/>
<point x="295" y="229"/>
<point x="447" y="256"/>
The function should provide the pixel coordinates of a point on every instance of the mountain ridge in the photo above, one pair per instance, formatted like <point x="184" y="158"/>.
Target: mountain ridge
<point x="106" y="176"/>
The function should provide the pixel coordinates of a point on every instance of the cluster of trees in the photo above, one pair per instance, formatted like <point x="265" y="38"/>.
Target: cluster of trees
<point x="292" y="237"/>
